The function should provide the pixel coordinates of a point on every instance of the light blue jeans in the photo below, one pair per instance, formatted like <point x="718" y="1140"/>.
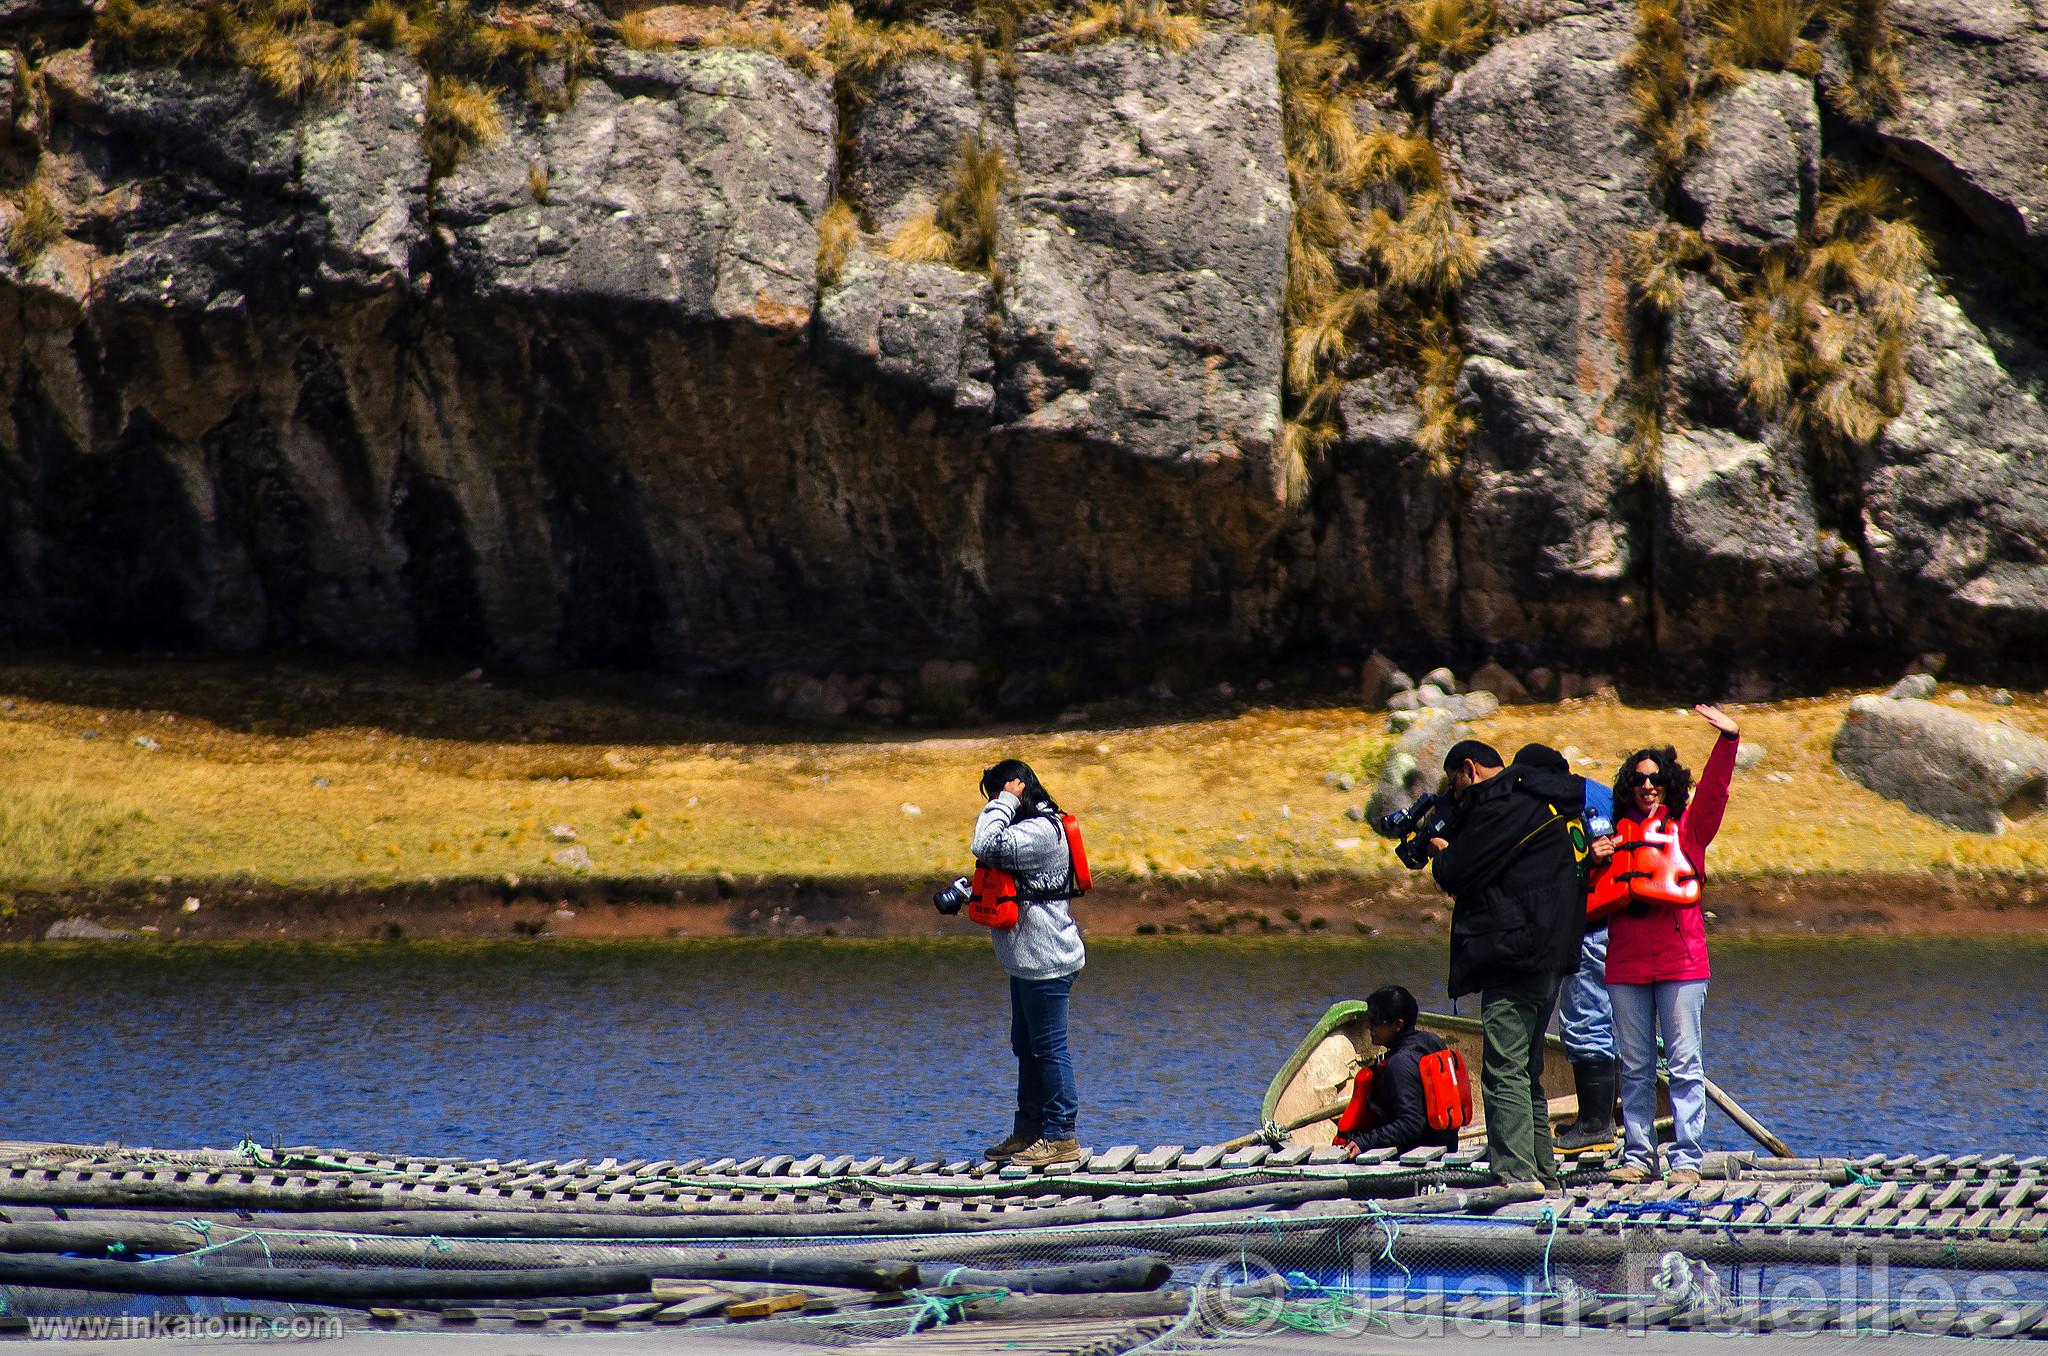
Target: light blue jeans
<point x="1585" y="1014"/>
<point x="1641" y="1012"/>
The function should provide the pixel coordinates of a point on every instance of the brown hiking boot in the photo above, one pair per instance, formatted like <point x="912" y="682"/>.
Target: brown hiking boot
<point x="1009" y="1148"/>
<point x="1682" y="1177"/>
<point x="1045" y="1153"/>
<point x="1632" y="1174"/>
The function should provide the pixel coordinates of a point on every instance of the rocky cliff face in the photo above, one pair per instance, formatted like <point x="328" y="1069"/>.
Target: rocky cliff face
<point x="588" y="396"/>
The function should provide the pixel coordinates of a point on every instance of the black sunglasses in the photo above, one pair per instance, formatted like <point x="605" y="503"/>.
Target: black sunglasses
<point x="1641" y="779"/>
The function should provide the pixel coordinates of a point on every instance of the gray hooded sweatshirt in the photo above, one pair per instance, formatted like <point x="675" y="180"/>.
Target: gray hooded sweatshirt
<point x="1045" y="944"/>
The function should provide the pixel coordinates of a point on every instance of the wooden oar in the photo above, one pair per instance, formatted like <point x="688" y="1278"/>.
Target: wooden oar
<point x="1754" y="1127"/>
<point x="1328" y="1113"/>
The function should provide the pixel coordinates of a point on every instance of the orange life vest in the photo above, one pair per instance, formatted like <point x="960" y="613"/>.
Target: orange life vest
<point x="1607" y="890"/>
<point x="1446" y="1090"/>
<point x="1657" y="871"/>
<point x="1358" y="1113"/>
<point x="1446" y="1094"/>
<point x="994" y="894"/>
<point x="992" y="898"/>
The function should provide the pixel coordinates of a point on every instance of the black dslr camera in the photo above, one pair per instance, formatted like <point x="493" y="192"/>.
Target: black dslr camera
<point x="1433" y="816"/>
<point x="954" y="897"/>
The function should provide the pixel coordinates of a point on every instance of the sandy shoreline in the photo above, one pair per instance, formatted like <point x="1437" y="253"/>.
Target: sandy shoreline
<point x="1928" y="903"/>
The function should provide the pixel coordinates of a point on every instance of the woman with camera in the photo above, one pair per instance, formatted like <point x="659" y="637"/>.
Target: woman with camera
<point x="1022" y="840"/>
<point x="1657" y="968"/>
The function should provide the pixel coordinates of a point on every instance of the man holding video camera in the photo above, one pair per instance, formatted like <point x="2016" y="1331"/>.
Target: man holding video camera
<point x="1510" y="857"/>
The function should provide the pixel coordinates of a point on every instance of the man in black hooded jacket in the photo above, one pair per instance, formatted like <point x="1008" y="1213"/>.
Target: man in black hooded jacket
<point x="1514" y="867"/>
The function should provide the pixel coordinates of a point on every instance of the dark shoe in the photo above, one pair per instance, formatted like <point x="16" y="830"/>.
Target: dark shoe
<point x="1044" y="1153"/>
<point x="1009" y="1148"/>
<point x="1594" y="1128"/>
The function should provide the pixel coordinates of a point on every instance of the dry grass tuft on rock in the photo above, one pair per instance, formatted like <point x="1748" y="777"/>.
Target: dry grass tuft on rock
<point x="293" y="56"/>
<point x="1147" y="20"/>
<point x="1427" y="249"/>
<point x="1765" y="35"/>
<point x="921" y="240"/>
<point x="37" y="226"/>
<point x="1827" y="323"/>
<point x="838" y="230"/>
<point x="460" y="116"/>
<point x="1873" y="86"/>
<point x="639" y="33"/>
<point x="970" y="210"/>
<point x="1662" y="89"/>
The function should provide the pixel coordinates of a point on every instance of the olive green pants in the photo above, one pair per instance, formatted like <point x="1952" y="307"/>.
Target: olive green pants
<point x="1514" y="1015"/>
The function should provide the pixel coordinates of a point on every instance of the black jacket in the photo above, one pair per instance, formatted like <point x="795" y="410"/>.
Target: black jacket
<point x="1516" y="872"/>
<point x="1397" y="1103"/>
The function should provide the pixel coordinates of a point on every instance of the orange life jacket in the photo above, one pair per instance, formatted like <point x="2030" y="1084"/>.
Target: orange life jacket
<point x="1446" y="1094"/>
<point x="994" y="894"/>
<point x="1607" y="890"/>
<point x="1358" y="1113"/>
<point x="992" y="898"/>
<point x="1446" y="1090"/>
<point x="1657" y="872"/>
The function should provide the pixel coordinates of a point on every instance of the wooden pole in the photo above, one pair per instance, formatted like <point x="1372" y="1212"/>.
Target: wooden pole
<point x="1750" y="1124"/>
<point x="1328" y="1113"/>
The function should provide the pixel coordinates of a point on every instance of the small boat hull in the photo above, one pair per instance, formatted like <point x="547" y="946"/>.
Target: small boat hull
<point x="1319" y="1072"/>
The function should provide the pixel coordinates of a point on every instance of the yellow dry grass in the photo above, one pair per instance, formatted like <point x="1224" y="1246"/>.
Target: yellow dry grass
<point x="838" y="230"/>
<point x="639" y="33"/>
<point x="1661" y="86"/>
<point x="305" y="777"/>
<point x="1827" y="324"/>
<point x="1765" y="35"/>
<point x="1146" y="20"/>
<point x="920" y="240"/>
<point x="293" y="56"/>
<point x="37" y="225"/>
<point x="460" y="115"/>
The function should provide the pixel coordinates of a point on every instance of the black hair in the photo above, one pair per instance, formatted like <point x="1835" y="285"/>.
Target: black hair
<point x="1673" y="777"/>
<point x="1036" y="799"/>
<point x="1393" y="1004"/>
<point x="1477" y="750"/>
<point x="1541" y="756"/>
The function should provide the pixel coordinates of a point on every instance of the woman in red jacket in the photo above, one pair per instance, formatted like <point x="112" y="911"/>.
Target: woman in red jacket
<point x="1657" y="967"/>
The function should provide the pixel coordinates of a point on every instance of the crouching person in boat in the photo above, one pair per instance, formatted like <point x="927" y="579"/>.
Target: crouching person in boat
<point x="1029" y="865"/>
<point x="1392" y="1106"/>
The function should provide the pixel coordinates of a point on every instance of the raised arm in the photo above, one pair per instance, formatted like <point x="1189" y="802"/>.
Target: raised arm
<point x="1702" y="818"/>
<point x="1020" y="849"/>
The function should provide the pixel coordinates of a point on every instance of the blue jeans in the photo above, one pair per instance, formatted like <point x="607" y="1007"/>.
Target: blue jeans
<point x="1047" y="1102"/>
<point x="1641" y="1011"/>
<point x="1585" y="1014"/>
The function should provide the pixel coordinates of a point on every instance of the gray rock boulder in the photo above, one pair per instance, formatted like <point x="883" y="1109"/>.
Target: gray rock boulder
<point x="1974" y="119"/>
<point x="905" y="136"/>
<point x="1540" y="132"/>
<point x="83" y="930"/>
<point x="925" y="325"/>
<point x="1970" y="774"/>
<point x="1739" y="553"/>
<point x="691" y="180"/>
<point x="1755" y="183"/>
<point x="1416" y="763"/>
<point x="1912" y="687"/>
<point x="1703" y="355"/>
<point x="1956" y="496"/>
<point x="1148" y="260"/>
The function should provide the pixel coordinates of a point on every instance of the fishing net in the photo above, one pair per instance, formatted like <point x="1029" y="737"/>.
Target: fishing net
<point x="1938" y="1245"/>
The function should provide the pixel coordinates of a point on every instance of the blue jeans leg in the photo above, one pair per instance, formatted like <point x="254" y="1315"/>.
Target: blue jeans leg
<point x="1680" y="1005"/>
<point x="1030" y="1091"/>
<point x="1045" y="1070"/>
<point x="1635" y="1036"/>
<point x="1585" y="1014"/>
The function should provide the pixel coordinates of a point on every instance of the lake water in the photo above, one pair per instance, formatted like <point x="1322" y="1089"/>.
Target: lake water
<point x="676" y="1049"/>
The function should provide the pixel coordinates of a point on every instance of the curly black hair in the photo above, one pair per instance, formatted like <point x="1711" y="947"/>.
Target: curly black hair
<point x="1672" y="776"/>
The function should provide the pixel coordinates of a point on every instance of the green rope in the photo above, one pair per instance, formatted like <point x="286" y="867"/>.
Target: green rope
<point x="1548" y="1219"/>
<point x="1861" y="1178"/>
<point x="944" y="1309"/>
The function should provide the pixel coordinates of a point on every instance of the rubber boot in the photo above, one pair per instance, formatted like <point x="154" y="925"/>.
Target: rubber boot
<point x="1596" y="1079"/>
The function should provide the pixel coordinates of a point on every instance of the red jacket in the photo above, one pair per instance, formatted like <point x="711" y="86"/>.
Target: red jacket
<point x="1671" y="944"/>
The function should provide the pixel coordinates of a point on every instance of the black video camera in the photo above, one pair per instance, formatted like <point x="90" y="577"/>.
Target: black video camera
<point x="1433" y="816"/>
<point x="954" y="897"/>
